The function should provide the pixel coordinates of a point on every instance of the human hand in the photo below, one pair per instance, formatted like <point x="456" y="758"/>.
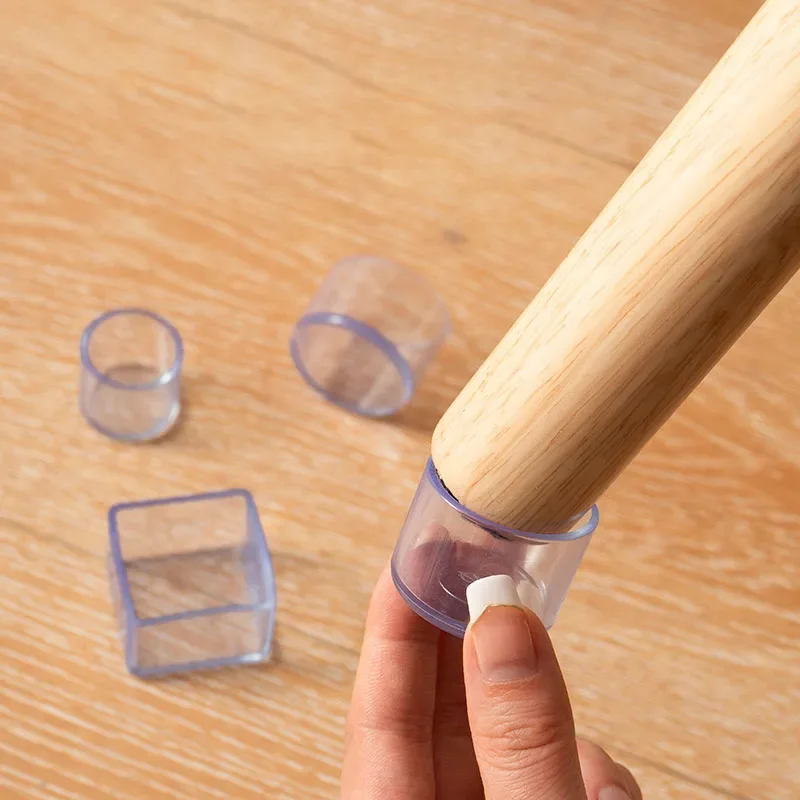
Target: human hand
<point x="492" y="721"/>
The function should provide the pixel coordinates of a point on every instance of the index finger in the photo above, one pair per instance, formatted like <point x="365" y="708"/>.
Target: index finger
<point x="389" y="727"/>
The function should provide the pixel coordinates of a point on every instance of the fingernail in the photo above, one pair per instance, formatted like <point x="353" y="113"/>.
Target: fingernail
<point x="613" y="793"/>
<point x="500" y="632"/>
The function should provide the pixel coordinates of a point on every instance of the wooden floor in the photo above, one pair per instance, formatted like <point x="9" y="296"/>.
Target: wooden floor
<point x="209" y="160"/>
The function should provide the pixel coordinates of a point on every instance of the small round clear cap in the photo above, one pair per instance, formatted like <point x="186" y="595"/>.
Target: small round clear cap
<point x="130" y="374"/>
<point x="368" y="335"/>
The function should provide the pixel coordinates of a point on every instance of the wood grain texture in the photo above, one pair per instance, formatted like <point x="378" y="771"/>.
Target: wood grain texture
<point x="209" y="160"/>
<point x="700" y="237"/>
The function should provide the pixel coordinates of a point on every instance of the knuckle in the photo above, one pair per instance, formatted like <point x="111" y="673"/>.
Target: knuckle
<point x="520" y="741"/>
<point x="408" y="727"/>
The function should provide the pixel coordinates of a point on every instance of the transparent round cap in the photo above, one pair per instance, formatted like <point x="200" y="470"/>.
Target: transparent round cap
<point x="130" y="374"/>
<point x="443" y="547"/>
<point x="368" y="335"/>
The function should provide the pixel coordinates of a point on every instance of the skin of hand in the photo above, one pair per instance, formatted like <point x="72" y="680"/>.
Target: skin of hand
<point x="433" y="718"/>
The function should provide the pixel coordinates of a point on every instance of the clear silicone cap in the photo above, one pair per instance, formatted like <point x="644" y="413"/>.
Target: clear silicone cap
<point x="192" y="582"/>
<point x="131" y="362"/>
<point x="368" y="335"/>
<point x="444" y="547"/>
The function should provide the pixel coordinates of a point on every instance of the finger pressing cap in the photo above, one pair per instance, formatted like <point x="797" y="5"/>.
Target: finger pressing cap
<point x="519" y="712"/>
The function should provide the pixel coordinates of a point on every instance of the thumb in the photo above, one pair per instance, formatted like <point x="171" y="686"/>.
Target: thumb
<point x="519" y="711"/>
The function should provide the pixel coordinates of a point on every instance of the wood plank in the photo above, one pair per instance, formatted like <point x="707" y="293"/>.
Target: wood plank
<point x="209" y="160"/>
